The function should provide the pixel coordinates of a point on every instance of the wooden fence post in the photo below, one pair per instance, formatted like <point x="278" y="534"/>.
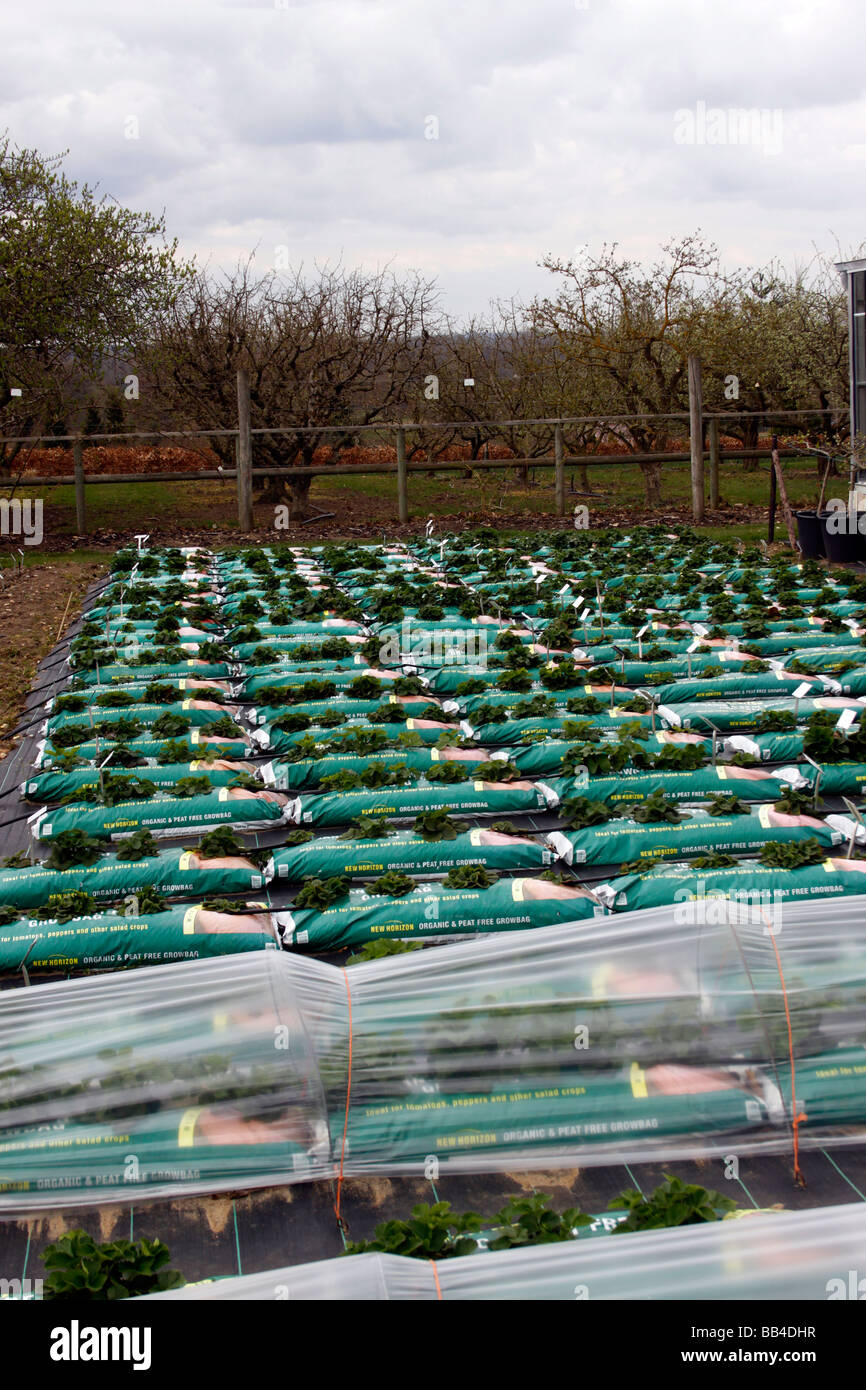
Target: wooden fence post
<point x="245" y="454"/>
<point x="783" y="492"/>
<point x="559" y="471"/>
<point x="696" y="436"/>
<point x="402" y="489"/>
<point x="714" y="464"/>
<point x="78" y="471"/>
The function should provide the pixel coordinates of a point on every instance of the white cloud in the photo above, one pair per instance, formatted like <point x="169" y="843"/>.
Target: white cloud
<point x="305" y="126"/>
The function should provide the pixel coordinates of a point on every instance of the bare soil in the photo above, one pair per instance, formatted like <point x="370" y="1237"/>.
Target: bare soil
<point x="36" y="606"/>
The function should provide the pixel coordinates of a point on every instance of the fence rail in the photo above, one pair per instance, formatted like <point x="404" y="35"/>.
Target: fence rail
<point x="700" y="422"/>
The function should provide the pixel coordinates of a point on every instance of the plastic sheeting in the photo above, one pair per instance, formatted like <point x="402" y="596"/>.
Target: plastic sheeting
<point x="657" y="1035"/>
<point x="793" y="1256"/>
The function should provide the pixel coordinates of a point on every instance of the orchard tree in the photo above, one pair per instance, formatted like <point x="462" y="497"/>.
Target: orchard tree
<point x="629" y="330"/>
<point x="339" y="348"/>
<point x="79" y="274"/>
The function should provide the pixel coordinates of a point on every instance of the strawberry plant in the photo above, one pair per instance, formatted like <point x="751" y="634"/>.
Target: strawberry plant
<point x="449" y="772"/>
<point x="595" y="759"/>
<point x="72" y="848"/>
<point x="343" y="781"/>
<point x="469" y="876"/>
<point x="378" y="950"/>
<point x="294" y="837"/>
<point x="529" y="1221"/>
<point x="539" y="707"/>
<point x="798" y="803"/>
<point x="150" y="901"/>
<point x="496" y="771"/>
<point x="198" y="786"/>
<point x="360" y="742"/>
<point x="655" y="808"/>
<point x="63" y="906"/>
<point x="368" y="828"/>
<point x="776" y="721"/>
<point x="407" y="738"/>
<point x="779" y="854"/>
<point x="579" y="812"/>
<point x="322" y="893"/>
<point x="16" y="861"/>
<point x="139" y="845"/>
<point x="490" y="714"/>
<point x="223" y="728"/>
<point x="437" y="825"/>
<point x="79" y="1268"/>
<point x="824" y="744"/>
<point x="504" y="827"/>
<point x="673" y="1203"/>
<point x="721" y="805"/>
<point x="115" y="699"/>
<point x="687" y="756"/>
<point x="636" y="866"/>
<point x="584" y="704"/>
<point x="170" y="725"/>
<point x="71" y="704"/>
<point x="121" y="730"/>
<point x="396" y="714"/>
<point x="714" y="860"/>
<point x="581" y="730"/>
<point x="433" y="1232"/>
<point x="293" y="723"/>
<point x="219" y="843"/>
<point x="393" y="884"/>
<point x="69" y="736"/>
<point x="631" y="731"/>
<point x="561" y="677"/>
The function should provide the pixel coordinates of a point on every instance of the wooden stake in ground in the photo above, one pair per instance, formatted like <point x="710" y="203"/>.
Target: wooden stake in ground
<point x="63" y="619"/>
<point x="696" y="436"/>
<point x="786" y="506"/>
<point x="245" y="454"/>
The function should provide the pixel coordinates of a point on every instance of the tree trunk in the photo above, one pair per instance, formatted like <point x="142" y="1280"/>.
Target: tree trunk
<point x="652" y="478"/>
<point x="299" y="499"/>
<point x="273" y="491"/>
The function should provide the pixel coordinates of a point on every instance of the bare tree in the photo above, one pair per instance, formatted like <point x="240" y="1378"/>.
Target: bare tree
<point x="339" y="349"/>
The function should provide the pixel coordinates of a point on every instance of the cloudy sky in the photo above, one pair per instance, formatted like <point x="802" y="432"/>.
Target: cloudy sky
<point x="465" y="138"/>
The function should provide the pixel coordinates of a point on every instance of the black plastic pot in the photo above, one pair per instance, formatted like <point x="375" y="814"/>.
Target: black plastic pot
<point x="811" y="535"/>
<point x="846" y="546"/>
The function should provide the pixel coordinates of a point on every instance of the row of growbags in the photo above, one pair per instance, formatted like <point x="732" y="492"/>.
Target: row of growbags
<point x="435" y="911"/>
<point x="167" y="817"/>
<point x="764" y="888"/>
<point x="307" y="773"/>
<point x="633" y="1038"/>
<point x="746" y="783"/>
<point x="409" y="852"/>
<point x="112" y="941"/>
<point x="174" y="873"/>
<point x="195" y="742"/>
<point x="468" y="798"/>
<point x="624" y="840"/>
<point x="78" y="782"/>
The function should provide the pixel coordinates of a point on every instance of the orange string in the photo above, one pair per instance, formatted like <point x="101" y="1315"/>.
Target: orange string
<point x="436" y="1277"/>
<point x="796" y="1118"/>
<point x="340" y="1221"/>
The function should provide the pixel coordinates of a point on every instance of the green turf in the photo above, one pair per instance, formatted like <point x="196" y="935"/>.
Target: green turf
<point x="199" y="506"/>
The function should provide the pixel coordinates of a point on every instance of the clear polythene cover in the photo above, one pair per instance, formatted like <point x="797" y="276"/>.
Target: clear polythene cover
<point x="798" y="1255"/>
<point x="658" y="1035"/>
